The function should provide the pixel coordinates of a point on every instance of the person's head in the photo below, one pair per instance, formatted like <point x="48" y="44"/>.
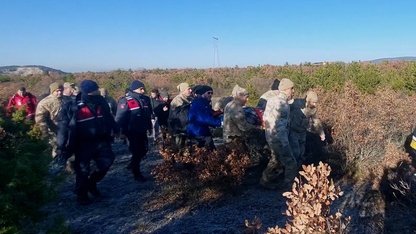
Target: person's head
<point x="69" y="89"/>
<point x="184" y="89"/>
<point x="103" y="92"/>
<point x="22" y="91"/>
<point x="240" y="94"/>
<point x="195" y="90"/>
<point x="154" y="93"/>
<point x="311" y="99"/>
<point x="126" y="91"/>
<point x="205" y="91"/>
<point x="165" y="95"/>
<point x="89" y="87"/>
<point x="275" y="85"/>
<point x="287" y="86"/>
<point x="56" y="89"/>
<point x="137" y="87"/>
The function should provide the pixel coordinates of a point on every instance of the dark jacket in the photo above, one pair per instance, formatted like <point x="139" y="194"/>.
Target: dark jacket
<point x="298" y="121"/>
<point x="85" y="119"/>
<point x="156" y="104"/>
<point x="161" y="114"/>
<point x="134" y="113"/>
<point x="200" y="118"/>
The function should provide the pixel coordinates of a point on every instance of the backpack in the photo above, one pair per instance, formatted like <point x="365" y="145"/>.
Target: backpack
<point x="253" y="115"/>
<point x="178" y="119"/>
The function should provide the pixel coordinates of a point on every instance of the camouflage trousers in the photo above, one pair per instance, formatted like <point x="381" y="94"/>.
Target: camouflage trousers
<point x="281" y="156"/>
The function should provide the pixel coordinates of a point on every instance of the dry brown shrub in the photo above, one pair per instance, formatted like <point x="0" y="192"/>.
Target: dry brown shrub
<point x="309" y="204"/>
<point x="201" y="167"/>
<point x="368" y="130"/>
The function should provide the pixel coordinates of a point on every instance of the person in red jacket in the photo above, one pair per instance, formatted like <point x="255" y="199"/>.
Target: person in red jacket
<point x="22" y="98"/>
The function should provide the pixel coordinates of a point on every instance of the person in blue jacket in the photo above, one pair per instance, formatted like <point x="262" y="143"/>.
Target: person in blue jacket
<point x="201" y="118"/>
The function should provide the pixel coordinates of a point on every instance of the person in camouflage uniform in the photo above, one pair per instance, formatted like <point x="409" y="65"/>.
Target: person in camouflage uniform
<point x="303" y="118"/>
<point x="277" y="119"/>
<point x="184" y="97"/>
<point x="274" y="91"/>
<point x="46" y="116"/>
<point x="235" y="125"/>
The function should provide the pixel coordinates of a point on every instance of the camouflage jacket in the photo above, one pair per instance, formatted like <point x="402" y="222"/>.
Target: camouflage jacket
<point x="235" y="123"/>
<point x="179" y="100"/>
<point x="277" y="119"/>
<point x="47" y="113"/>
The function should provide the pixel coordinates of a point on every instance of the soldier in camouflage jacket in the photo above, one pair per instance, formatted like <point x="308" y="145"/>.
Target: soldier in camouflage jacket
<point x="277" y="119"/>
<point x="235" y="124"/>
<point x="46" y="116"/>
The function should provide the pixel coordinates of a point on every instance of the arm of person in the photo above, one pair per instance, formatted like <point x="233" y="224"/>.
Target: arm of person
<point x="241" y="121"/>
<point x="122" y="114"/>
<point x="317" y="126"/>
<point x="40" y="119"/>
<point x="204" y="116"/>
<point x="10" y="105"/>
<point x="63" y="126"/>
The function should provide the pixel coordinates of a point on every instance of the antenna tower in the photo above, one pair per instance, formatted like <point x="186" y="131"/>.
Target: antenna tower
<point x="216" y="54"/>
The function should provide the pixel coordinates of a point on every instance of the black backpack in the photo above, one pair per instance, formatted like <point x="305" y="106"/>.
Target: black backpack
<point x="178" y="119"/>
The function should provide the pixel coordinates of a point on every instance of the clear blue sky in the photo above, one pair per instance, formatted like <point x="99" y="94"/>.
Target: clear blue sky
<point x="92" y="35"/>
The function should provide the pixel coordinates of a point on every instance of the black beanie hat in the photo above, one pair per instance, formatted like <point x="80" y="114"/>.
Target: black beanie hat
<point x="203" y="89"/>
<point x="88" y="86"/>
<point x="275" y="85"/>
<point x="196" y="88"/>
<point x="136" y="84"/>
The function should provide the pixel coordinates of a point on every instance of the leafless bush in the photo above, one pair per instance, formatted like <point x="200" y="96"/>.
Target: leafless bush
<point x="199" y="167"/>
<point x="309" y="204"/>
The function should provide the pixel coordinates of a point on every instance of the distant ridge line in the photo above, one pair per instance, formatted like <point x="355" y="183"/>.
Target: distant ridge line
<point x="28" y="70"/>
<point x="406" y="58"/>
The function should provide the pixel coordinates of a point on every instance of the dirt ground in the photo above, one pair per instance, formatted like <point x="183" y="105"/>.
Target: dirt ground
<point x="129" y="206"/>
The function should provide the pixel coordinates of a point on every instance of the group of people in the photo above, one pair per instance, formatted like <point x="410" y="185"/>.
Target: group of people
<point x="84" y="121"/>
<point x="285" y="121"/>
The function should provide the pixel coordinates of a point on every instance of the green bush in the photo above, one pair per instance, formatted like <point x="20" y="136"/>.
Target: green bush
<point x="23" y="186"/>
<point x="5" y="78"/>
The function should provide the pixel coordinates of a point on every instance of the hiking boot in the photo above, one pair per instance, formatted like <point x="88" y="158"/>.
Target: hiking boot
<point x="83" y="199"/>
<point x="92" y="188"/>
